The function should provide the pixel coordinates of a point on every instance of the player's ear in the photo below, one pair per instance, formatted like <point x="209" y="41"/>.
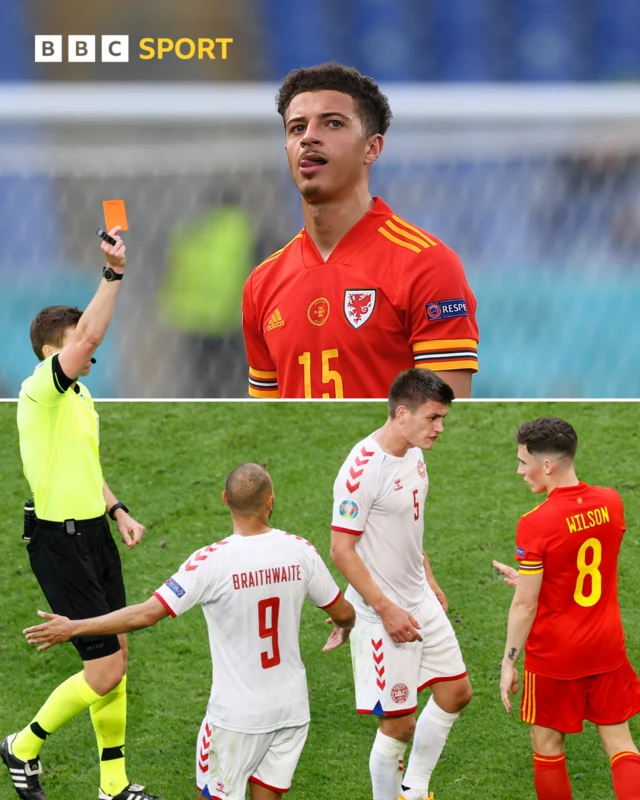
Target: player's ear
<point x="224" y="498"/>
<point x="373" y="149"/>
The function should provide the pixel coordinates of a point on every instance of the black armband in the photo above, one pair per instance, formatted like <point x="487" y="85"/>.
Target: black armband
<point x="61" y="381"/>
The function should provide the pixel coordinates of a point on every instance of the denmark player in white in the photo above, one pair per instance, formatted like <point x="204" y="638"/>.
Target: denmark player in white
<point x="251" y="587"/>
<point x="403" y="641"/>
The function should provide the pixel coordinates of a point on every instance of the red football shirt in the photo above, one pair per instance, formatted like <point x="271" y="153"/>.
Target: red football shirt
<point x="573" y="538"/>
<point x="389" y="297"/>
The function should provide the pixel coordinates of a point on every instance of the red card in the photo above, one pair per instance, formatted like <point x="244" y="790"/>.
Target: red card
<point x="115" y="214"/>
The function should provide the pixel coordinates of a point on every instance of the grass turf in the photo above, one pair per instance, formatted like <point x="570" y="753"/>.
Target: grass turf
<point x="168" y="461"/>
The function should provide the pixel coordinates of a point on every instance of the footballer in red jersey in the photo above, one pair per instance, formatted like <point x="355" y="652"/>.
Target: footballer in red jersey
<point x="566" y="610"/>
<point x="360" y="293"/>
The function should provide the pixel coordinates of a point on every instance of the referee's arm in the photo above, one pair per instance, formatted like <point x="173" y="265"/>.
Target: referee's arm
<point x="92" y="326"/>
<point x="130" y="530"/>
<point x="60" y="629"/>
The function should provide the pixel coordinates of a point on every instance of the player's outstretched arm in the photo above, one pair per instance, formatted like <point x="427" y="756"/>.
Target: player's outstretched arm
<point x="92" y="325"/>
<point x="399" y="624"/>
<point x="521" y="617"/>
<point x="343" y="616"/>
<point x="60" y="629"/>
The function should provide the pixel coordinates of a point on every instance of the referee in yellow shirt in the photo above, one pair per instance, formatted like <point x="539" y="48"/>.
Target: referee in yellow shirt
<point x="71" y="550"/>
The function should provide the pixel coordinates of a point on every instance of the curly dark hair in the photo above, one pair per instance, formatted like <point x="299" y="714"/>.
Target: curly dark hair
<point x="49" y="326"/>
<point x="548" y="435"/>
<point x="372" y="106"/>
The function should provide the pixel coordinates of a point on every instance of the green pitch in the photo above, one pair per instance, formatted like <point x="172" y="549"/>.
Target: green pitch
<point x="168" y="463"/>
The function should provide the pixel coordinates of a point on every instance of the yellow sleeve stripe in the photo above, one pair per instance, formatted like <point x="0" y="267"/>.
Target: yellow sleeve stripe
<point x="272" y="393"/>
<point x="413" y="228"/>
<point x="278" y="252"/>
<point x="417" y="239"/>
<point x="530" y="571"/>
<point x="532" y="563"/>
<point x="445" y="365"/>
<point x="395" y="240"/>
<point x="443" y="344"/>
<point x="258" y="373"/>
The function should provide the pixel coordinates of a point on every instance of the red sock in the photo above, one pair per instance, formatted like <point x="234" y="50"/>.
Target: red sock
<point x="551" y="778"/>
<point x="625" y="770"/>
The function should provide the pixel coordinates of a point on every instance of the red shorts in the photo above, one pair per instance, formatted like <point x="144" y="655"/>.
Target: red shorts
<point x="606" y="699"/>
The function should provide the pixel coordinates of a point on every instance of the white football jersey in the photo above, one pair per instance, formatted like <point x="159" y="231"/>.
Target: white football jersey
<point x="380" y="498"/>
<point x="251" y="589"/>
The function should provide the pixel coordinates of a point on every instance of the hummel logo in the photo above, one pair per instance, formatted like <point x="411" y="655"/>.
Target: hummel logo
<point x="275" y="320"/>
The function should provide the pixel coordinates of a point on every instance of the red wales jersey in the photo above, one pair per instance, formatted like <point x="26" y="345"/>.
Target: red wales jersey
<point x="389" y="297"/>
<point x="573" y="539"/>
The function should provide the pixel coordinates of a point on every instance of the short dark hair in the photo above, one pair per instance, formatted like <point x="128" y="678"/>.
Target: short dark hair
<point x="414" y="387"/>
<point x="548" y="435"/>
<point x="247" y="487"/>
<point x="49" y="327"/>
<point x="372" y="106"/>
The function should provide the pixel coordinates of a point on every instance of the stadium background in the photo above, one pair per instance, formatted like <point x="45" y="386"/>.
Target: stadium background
<point x="515" y="140"/>
<point x="168" y="462"/>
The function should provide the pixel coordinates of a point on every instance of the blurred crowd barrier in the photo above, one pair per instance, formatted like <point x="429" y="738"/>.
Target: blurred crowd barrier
<point x="392" y="40"/>
<point x="537" y="189"/>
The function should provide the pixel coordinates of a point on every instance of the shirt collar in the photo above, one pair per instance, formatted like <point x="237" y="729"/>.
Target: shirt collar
<point x="353" y="238"/>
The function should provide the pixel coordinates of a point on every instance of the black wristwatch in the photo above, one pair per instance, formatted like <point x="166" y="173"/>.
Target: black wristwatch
<point x="110" y="274"/>
<point x="113" y="509"/>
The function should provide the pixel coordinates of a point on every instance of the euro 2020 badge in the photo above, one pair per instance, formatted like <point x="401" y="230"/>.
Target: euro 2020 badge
<point x="349" y="509"/>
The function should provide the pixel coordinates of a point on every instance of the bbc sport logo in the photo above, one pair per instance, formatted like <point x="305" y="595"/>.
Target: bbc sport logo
<point x="115" y="48"/>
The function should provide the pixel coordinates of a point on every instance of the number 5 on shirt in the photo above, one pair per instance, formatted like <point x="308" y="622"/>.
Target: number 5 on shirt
<point x="328" y="375"/>
<point x="269" y="630"/>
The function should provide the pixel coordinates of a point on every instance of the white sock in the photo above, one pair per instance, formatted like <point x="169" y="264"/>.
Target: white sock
<point x="385" y="766"/>
<point x="432" y="729"/>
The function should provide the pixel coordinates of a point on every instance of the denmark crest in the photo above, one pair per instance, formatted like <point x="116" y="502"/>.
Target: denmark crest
<point x="359" y="305"/>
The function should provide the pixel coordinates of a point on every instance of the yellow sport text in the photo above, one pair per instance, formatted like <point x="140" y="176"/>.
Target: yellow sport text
<point x="184" y="48"/>
<point x="581" y="522"/>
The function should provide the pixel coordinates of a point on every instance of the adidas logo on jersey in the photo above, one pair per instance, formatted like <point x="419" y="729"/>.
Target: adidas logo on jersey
<point x="275" y="320"/>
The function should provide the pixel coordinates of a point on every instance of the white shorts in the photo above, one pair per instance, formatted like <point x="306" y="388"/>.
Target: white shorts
<point x="268" y="759"/>
<point x="388" y="676"/>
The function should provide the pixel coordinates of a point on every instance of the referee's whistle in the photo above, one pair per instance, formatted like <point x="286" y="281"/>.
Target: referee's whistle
<point x="104" y="235"/>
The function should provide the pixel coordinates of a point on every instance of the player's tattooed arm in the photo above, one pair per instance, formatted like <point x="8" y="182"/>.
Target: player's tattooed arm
<point x="522" y="614"/>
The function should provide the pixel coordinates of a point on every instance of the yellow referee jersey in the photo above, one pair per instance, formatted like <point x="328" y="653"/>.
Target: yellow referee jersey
<point x="59" y="439"/>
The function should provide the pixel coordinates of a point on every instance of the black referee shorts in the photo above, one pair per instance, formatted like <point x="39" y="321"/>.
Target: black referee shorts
<point x="80" y="575"/>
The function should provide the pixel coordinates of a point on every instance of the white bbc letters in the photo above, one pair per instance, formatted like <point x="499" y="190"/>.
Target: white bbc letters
<point x="81" y="48"/>
<point x="115" y="48"/>
<point x="48" y="48"/>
